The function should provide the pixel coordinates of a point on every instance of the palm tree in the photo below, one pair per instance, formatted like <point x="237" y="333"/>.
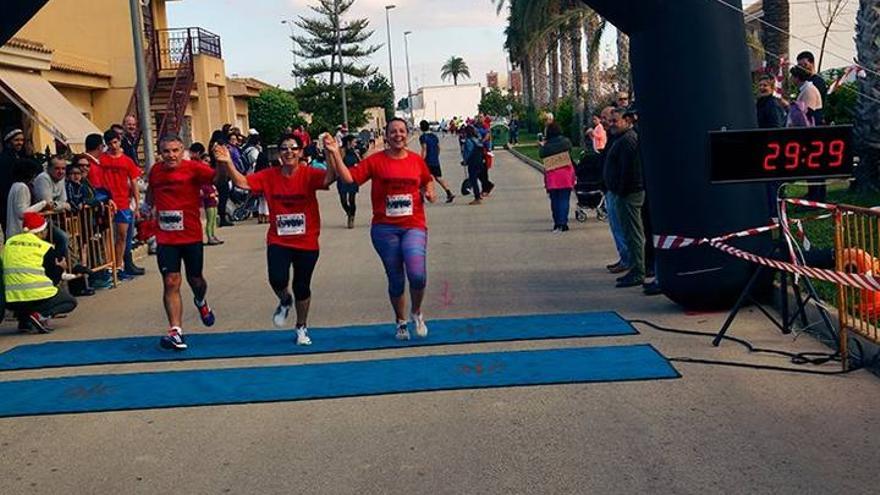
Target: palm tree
<point x="775" y="41"/>
<point x="455" y="67"/>
<point x="594" y="26"/>
<point x="623" y="67"/>
<point x="866" y="131"/>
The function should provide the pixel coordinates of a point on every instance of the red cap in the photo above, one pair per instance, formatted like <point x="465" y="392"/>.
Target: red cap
<point x="33" y="222"/>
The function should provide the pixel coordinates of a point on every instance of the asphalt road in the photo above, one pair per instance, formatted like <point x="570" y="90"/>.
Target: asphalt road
<point x="715" y="430"/>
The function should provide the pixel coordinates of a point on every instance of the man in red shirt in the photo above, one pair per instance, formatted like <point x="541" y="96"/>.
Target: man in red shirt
<point x="174" y="195"/>
<point x="118" y="174"/>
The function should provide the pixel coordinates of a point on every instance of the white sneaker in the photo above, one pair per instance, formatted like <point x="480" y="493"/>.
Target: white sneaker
<point x="402" y="331"/>
<point x="302" y="336"/>
<point x="279" y="318"/>
<point x="419" y="324"/>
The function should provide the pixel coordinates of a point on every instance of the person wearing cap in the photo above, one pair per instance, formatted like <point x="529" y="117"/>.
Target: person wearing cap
<point x="13" y="150"/>
<point x="32" y="271"/>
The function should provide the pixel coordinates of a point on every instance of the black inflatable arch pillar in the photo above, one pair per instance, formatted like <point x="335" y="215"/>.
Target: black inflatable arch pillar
<point x="691" y="75"/>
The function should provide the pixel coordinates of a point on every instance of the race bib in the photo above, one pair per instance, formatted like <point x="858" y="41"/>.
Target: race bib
<point x="171" y="220"/>
<point x="399" y="205"/>
<point x="291" y="224"/>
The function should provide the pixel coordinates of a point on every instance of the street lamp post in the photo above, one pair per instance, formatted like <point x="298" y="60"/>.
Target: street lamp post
<point x="388" y="29"/>
<point x="289" y="23"/>
<point x="341" y="67"/>
<point x="408" y="79"/>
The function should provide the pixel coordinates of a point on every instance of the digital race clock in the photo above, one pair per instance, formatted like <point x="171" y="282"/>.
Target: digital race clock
<point x="780" y="154"/>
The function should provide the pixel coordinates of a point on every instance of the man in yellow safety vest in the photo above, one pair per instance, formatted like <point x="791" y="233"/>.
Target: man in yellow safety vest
<point x="31" y="274"/>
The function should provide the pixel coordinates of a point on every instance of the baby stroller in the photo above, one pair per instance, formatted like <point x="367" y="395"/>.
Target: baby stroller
<point x="242" y="204"/>
<point x="588" y="188"/>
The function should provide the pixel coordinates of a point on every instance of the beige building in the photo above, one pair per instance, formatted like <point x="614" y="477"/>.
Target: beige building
<point x="70" y="72"/>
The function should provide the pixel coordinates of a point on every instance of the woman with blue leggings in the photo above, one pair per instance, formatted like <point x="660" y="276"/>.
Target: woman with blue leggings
<point x="399" y="232"/>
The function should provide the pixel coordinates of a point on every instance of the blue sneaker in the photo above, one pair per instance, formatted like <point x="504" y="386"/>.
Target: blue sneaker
<point x="122" y="276"/>
<point x="174" y="340"/>
<point x="205" y="313"/>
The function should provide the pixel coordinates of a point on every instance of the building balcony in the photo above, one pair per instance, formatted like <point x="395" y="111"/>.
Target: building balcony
<point x="171" y="45"/>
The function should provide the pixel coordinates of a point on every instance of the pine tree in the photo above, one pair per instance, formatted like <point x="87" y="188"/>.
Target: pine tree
<point x="317" y="48"/>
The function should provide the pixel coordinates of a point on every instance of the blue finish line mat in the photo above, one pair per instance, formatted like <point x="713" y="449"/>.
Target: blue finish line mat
<point x="281" y="342"/>
<point x="121" y="392"/>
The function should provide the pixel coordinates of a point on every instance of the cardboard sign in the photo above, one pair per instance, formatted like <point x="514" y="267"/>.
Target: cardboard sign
<point x="558" y="160"/>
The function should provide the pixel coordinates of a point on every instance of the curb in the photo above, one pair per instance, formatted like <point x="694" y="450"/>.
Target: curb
<point x="523" y="158"/>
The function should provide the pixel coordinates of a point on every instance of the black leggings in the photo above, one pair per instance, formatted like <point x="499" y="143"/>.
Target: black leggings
<point x="348" y="202"/>
<point x="280" y="258"/>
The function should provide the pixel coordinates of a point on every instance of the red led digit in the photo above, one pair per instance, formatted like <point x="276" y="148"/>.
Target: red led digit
<point x="793" y="153"/>
<point x="835" y="149"/>
<point x="818" y="149"/>
<point x="775" y="149"/>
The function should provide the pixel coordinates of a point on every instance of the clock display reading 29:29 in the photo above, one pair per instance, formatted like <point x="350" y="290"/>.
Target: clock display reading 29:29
<point x="781" y="154"/>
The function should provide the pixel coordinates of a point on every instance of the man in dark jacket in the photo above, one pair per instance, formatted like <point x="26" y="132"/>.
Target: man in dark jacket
<point x="13" y="150"/>
<point x="623" y="178"/>
<point x="623" y="262"/>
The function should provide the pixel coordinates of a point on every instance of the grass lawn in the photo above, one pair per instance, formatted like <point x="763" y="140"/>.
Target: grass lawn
<point x="821" y="232"/>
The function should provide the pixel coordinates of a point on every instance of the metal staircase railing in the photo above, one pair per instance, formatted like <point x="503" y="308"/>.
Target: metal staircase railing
<point x="172" y="117"/>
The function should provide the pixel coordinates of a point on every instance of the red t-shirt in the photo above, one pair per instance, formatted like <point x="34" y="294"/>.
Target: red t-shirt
<point x="176" y="197"/>
<point x="114" y="174"/>
<point x="294" y="219"/>
<point x="396" y="190"/>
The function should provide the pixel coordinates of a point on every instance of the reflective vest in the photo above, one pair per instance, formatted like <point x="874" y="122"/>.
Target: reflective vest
<point x="24" y="277"/>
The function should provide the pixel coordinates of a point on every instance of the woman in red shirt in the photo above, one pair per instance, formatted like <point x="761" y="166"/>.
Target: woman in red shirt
<point x="294" y="225"/>
<point x="399" y="232"/>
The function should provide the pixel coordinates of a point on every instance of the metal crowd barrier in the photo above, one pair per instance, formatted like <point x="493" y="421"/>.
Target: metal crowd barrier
<point x="91" y="238"/>
<point x="857" y="250"/>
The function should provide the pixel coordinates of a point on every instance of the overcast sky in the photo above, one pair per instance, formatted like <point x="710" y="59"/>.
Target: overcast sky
<point x="256" y="44"/>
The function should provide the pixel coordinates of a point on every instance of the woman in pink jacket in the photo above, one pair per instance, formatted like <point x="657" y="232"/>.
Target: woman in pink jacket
<point x="558" y="174"/>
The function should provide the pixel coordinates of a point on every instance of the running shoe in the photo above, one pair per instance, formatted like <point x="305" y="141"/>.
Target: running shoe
<point x="279" y="318"/>
<point x="421" y="329"/>
<point x="205" y="313"/>
<point x="402" y="331"/>
<point x="122" y="275"/>
<point x="174" y="340"/>
<point x="302" y="336"/>
<point x="450" y="197"/>
<point x="38" y="323"/>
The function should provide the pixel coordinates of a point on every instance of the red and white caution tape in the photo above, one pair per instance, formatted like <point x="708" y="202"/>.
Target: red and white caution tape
<point x="858" y="280"/>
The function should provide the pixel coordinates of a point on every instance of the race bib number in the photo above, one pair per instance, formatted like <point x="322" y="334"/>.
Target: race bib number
<point x="171" y="220"/>
<point x="399" y="205"/>
<point x="291" y="224"/>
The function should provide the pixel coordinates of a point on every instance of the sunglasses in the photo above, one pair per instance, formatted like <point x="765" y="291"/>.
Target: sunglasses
<point x="288" y="148"/>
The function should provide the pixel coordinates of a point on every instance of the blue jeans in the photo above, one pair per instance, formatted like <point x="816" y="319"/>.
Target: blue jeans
<point x="559" y="200"/>
<point x="612" y="202"/>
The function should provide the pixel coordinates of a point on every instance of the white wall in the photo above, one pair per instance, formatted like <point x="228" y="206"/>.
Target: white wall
<point x="444" y="102"/>
<point x="805" y="25"/>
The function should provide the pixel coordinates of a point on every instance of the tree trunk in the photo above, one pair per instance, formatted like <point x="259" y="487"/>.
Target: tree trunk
<point x="866" y="131"/>
<point x="591" y="30"/>
<point x="553" y="54"/>
<point x="775" y="42"/>
<point x="575" y="38"/>
<point x="528" y="88"/>
<point x="623" y="66"/>
<point x="565" y="61"/>
<point x="539" y="75"/>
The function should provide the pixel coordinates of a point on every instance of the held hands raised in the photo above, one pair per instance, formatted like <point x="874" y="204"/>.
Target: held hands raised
<point x="221" y="153"/>
<point x="330" y="143"/>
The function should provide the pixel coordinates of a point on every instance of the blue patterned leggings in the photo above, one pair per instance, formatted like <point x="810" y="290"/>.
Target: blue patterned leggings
<point x="402" y="249"/>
